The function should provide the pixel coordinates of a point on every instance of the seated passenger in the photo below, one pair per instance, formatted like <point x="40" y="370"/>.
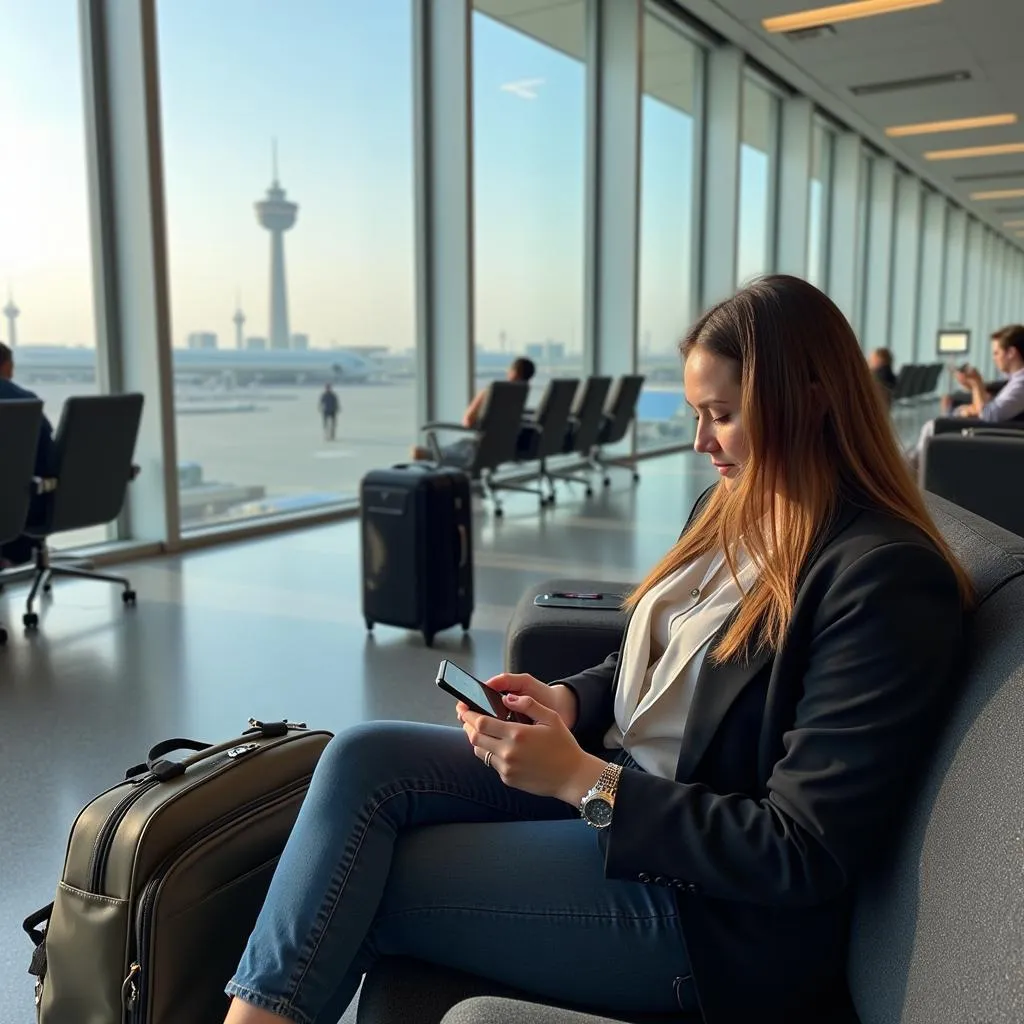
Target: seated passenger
<point x="880" y="364"/>
<point x="460" y="453"/>
<point x="17" y="551"/>
<point x="1006" y="404"/>
<point x="734" y="768"/>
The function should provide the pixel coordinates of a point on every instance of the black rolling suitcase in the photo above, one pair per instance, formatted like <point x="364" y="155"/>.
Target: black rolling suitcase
<point x="417" y="548"/>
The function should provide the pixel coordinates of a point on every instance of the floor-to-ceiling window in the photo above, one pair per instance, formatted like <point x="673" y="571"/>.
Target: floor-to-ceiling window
<point x="818" y="204"/>
<point x="861" y="242"/>
<point x="671" y="73"/>
<point x="46" y="284"/>
<point x="287" y="136"/>
<point x="529" y="163"/>
<point x="758" y="148"/>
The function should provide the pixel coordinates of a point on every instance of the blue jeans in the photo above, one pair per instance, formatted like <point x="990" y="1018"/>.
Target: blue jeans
<point x="406" y="844"/>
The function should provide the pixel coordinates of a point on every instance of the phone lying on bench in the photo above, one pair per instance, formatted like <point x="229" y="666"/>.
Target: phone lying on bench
<point x="573" y="599"/>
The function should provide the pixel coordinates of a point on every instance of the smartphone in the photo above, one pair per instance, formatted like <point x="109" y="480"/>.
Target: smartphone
<point x="460" y="684"/>
<point x="572" y="599"/>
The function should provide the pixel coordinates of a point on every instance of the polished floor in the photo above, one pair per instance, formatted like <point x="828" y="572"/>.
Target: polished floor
<point x="269" y="628"/>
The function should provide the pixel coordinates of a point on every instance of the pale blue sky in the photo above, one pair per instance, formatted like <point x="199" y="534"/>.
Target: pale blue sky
<point x="332" y="80"/>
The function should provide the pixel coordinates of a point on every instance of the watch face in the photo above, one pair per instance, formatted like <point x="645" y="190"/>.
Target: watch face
<point x="598" y="811"/>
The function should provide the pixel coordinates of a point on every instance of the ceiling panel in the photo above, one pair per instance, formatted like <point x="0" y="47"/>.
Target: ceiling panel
<point x="979" y="36"/>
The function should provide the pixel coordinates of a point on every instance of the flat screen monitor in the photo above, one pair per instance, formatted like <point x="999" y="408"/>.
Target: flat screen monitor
<point x="953" y="343"/>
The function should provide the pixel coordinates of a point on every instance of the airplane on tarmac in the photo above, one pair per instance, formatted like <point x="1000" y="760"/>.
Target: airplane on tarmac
<point x="235" y="366"/>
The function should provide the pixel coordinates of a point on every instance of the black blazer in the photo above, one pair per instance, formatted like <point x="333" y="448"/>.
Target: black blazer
<point x="793" y="768"/>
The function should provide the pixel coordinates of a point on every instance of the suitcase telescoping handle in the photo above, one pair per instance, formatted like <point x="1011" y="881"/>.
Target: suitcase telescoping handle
<point x="160" y="768"/>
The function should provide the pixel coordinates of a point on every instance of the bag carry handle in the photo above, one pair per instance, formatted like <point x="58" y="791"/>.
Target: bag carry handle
<point x="164" y="770"/>
<point x="156" y="765"/>
<point x="33" y="921"/>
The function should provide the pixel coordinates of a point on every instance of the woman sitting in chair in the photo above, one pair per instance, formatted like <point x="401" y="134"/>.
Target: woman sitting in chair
<point x="681" y="827"/>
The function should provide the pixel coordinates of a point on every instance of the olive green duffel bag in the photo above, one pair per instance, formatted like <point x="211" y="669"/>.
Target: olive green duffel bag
<point x="164" y="876"/>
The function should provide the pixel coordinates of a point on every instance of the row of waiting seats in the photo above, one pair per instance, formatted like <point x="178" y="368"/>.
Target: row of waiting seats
<point x="92" y="466"/>
<point x="571" y="418"/>
<point x="916" y="381"/>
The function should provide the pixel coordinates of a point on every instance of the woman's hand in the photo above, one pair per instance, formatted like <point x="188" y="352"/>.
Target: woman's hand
<point x="559" y="698"/>
<point x="540" y="757"/>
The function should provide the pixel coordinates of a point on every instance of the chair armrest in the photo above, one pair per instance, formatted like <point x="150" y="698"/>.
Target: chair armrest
<point x="957" y="424"/>
<point x="1003" y="430"/>
<point x="495" y="1010"/>
<point x="979" y="473"/>
<point x="451" y="426"/>
<point x="553" y="643"/>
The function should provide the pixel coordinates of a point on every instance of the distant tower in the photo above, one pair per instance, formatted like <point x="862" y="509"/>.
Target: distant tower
<point x="277" y="215"/>
<point x="502" y="341"/>
<point x="11" y="314"/>
<point x="239" y="320"/>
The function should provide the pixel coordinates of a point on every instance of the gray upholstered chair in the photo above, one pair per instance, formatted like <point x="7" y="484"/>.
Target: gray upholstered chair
<point x="494" y="438"/>
<point x="618" y="416"/>
<point x="938" y="928"/>
<point x="584" y="427"/>
<point x="19" y="428"/>
<point x="542" y="434"/>
<point x="94" y="444"/>
<point x="981" y="470"/>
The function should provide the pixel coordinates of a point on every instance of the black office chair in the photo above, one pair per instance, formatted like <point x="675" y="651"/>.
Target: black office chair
<point x="94" y="444"/>
<point x="618" y="416"/>
<point x="19" y="428"/>
<point x="496" y="436"/>
<point x="584" y="426"/>
<point x="543" y="434"/>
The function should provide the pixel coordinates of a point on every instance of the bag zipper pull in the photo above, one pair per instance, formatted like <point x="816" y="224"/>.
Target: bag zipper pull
<point x="130" y="990"/>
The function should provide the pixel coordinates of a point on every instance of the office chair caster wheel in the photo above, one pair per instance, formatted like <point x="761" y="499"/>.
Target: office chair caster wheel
<point x="607" y="481"/>
<point x="47" y="588"/>
<point x="636" y="477"/>
<point x="590" y="491"/>
<point x="499" y="512"/>
<point x="31" y="621"/>
<point x="128" y="597"/>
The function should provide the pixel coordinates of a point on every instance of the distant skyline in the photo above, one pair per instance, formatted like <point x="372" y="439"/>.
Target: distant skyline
<point x="339" y="101"/>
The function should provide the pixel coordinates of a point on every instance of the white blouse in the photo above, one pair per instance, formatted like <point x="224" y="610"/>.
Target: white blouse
<point x="668" y="636"/>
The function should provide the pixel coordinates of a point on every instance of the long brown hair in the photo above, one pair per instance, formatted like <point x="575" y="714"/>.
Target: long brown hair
<point x="816" y="429"/>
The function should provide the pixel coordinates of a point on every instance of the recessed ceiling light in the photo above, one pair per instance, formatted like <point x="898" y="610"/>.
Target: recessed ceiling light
<point x="956" y="125"/>
<point x="840" y="12"/>
<point x="1003" y="149"/>
<point x="1013" y="224"/>
<point x="905" y="84"/>
<point x="1000" y="193"/>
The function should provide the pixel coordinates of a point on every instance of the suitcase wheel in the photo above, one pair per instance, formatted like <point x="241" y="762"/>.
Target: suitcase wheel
<point x="428" y="638"/>
<point x="369" y="625"/>
<point x="465" y="625"/>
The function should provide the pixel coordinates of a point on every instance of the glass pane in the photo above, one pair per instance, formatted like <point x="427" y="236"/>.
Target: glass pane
<point x="757" y="155"/>
<point x="529" y="152"/>
<point x="45" y="255"/>
<point x="863" y="227"/>
<point x="818" y="209"/>
<point x="671" y="68"/>
<point x="292" y="289"/>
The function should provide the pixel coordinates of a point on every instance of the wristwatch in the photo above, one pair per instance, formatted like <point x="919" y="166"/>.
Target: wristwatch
<point x="598" y="802"/>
